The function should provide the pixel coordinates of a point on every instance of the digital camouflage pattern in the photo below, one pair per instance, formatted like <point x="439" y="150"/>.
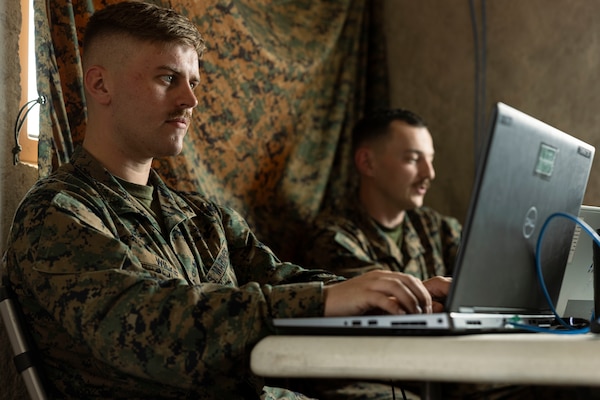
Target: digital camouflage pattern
<point x="348" y="242"/>
<point x="120" y="310"/>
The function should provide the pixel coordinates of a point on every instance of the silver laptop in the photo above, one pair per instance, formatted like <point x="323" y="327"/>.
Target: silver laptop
<point x="529" y="171"/>
<point x="576" y="298"/>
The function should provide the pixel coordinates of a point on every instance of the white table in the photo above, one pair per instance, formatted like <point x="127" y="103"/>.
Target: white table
<point x="520" y="358"/>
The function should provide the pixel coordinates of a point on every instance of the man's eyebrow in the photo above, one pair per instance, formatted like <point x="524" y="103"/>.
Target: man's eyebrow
<point x="168" y="68"/>
<point x="195" y="78"/>
<point x="418" y="152"/>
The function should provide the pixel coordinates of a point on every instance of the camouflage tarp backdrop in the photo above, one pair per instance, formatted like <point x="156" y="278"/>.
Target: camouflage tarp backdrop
<point x="282" y="84"/>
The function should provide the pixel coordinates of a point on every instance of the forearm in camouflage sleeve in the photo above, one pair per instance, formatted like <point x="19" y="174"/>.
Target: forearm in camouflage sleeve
<point x="253" y="261"/>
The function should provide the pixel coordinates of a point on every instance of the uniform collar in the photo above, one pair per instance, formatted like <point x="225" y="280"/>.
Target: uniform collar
<point x="173" y="207"/>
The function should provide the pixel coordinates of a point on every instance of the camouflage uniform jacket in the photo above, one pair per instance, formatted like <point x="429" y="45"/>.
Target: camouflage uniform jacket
<point x="119" y="310"/>
<point x="349" y="242"/>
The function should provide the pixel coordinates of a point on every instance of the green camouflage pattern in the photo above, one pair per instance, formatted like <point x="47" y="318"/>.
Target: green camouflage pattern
<point x="348" y="242"/>
<point x="120" y="310"/>
<point x="282" y="83"/>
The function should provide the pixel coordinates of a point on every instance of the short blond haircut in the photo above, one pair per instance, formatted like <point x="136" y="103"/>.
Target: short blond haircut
<point x="144" y="22"/>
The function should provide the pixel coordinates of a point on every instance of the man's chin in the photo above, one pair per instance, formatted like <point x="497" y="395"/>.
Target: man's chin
<point x="165" y="153"/>
<point x="417" y="201"/>
<point x="171" y="149"/>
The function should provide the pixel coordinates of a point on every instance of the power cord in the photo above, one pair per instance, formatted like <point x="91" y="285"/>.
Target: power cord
<point x="394" y="392"/>
<point x="21" y="117"/>
<point x="479" y="48"/>
<point x="569" y="329"/>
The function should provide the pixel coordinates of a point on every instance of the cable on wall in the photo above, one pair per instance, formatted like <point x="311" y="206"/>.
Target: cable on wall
<point x="480" y="53"/>
<point x="21" y="117"/>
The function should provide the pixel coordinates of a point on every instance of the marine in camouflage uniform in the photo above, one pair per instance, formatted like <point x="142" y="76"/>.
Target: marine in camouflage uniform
<point x="393" y="155"/>
<point x="123" y="306"/>
<point x="349" y="242"/>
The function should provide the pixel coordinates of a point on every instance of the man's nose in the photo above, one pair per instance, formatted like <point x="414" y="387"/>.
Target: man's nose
<point x="427" y="170"/>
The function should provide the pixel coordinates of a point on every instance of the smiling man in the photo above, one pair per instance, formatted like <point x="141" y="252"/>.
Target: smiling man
<point x="385" y="225"/>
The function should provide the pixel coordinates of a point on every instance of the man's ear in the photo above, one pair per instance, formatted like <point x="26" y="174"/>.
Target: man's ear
<point x="363" y="159"/>
<point x="96" y="84"/>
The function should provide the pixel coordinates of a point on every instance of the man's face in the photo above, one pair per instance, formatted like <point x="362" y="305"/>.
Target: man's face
<point x="152" y="99"/>
<point x="403" y="165"/>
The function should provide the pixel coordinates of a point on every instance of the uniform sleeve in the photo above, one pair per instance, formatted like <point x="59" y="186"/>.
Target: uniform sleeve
<point x="255" y="262"/>
<point x="343" y="251"/>
<point x="95" y="289"/>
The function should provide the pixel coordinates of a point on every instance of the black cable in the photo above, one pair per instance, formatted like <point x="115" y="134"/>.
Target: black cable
<point x="482" y="76"/>
<point x="21" y="117"/>
<point x="394" y="392"/>
<point x="476" y="93"/>
<point x="480" y="56"/>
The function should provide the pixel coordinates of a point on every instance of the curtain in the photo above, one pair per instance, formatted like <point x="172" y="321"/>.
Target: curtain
<point x="282" y="84"/>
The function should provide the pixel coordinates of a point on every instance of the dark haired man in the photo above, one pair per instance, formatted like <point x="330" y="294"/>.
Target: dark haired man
<point x="385" y="226"/>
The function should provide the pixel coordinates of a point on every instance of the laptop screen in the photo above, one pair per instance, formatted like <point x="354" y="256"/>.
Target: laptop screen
<point x="529" y="171"/>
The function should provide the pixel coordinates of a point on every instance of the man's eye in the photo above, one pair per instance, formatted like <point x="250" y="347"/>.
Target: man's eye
<point x="168" y="78"/>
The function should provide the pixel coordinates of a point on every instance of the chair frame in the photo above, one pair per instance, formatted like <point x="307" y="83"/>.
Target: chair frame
<point x="24" y="356"/>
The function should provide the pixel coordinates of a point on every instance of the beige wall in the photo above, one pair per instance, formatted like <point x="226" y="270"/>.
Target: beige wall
<point x="543" y="57"/>
<point x="14" y="180"/>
